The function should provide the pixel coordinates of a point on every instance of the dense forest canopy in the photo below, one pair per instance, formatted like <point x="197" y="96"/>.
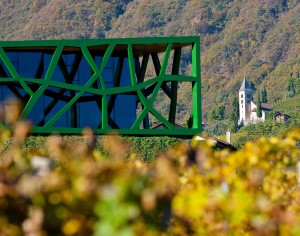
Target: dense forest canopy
<point x="257" y="39"/>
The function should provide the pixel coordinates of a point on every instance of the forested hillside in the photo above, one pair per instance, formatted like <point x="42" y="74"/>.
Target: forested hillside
<point x="257" y="39"/>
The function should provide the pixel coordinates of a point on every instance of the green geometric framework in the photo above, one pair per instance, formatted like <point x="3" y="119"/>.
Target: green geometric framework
<point x="57" y="79"/>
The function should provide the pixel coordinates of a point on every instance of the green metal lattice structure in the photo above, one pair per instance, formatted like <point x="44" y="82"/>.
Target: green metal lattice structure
<point x="65" y="84"/>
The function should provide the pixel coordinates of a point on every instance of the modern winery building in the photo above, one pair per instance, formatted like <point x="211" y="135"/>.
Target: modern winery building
<point x="109" y="85"/>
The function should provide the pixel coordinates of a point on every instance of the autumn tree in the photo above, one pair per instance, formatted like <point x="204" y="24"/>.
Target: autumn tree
<point x="235" y="114"/>
<point x="217" y="113"/>
<point x="264" y="95"/>
<point x="291" y="86"/>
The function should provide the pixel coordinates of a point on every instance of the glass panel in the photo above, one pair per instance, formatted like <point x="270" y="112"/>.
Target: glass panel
<point x="125" y="78"/>
<point x="47" y="60"/>
<point x="108" y="76"/>
<point x="124" y="111"/>
<point x="110" y="70"/>
<point x="58" y="75"/>
<point x="64" y="69"/>
<point x="7" y="94"/>
<point x="84" y="73"/>
<point x="64" y="120"/>
<point x="4" y="73"/>
<point x="29" y="64"/>
<point x="89" y="114"/>
<point x="22" y="92"/>
<point x="36" y="115"/>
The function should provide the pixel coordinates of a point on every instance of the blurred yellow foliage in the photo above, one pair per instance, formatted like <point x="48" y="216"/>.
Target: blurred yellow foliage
<point x="191" y="189"/>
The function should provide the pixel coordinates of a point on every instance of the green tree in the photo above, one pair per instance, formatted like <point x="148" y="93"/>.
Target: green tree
<point x="235" y="114"/>
<point x="258" y="108"/>
<point x="264" y="95"/>
<point x="291" y="86"/>
<point x="217" y="113"/>
<point x="297" y="83"/>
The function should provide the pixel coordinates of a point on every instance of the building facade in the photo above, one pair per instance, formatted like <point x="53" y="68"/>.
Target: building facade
<point x="248" y="109"/>
<point x="245" y="99"/>
<point x="67" y="85"/>
<point x="281" y="117"/>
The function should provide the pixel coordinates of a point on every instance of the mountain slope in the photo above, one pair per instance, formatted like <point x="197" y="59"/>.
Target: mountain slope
<point x="257" y="39"/>
<point x="45" y="19"/>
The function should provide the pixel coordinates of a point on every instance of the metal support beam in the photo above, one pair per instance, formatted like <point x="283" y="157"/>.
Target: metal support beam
<point x="157" y="68"/>
<point x="96" y="93"/>
<point x="174" y="85"/>
<point x="69" y="77"/>
<point x="117" y="80"/>
<point x="140" y="73"/>
<point x="196" y="87"/>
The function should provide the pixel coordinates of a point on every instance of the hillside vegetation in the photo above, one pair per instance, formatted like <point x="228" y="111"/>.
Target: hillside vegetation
<point x="289" y="106"/>
<point x="256" y="39"/>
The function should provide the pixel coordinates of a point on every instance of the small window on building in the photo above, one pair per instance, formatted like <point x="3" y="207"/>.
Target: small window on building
<point x="242" y="101"/>
<point x="241" y="95"/>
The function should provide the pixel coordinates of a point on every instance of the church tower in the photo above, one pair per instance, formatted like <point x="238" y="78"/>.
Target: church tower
<point x="245" y="98"/>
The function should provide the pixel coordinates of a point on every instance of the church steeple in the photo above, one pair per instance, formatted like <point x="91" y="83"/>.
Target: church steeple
<point x="245" y="85"/>
<point x="245" y="98"/>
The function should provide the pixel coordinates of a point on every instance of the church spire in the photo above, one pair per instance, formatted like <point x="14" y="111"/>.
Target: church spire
<point x="245" y="85"/>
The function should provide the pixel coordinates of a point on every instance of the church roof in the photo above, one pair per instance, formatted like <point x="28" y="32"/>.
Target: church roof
<point x="245" y="85"/>
<point x="266" y="106"/>
<point x="282" y="114"/>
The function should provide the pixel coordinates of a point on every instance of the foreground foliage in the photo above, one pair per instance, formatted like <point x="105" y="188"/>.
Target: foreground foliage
<point x="189" y="190"/>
